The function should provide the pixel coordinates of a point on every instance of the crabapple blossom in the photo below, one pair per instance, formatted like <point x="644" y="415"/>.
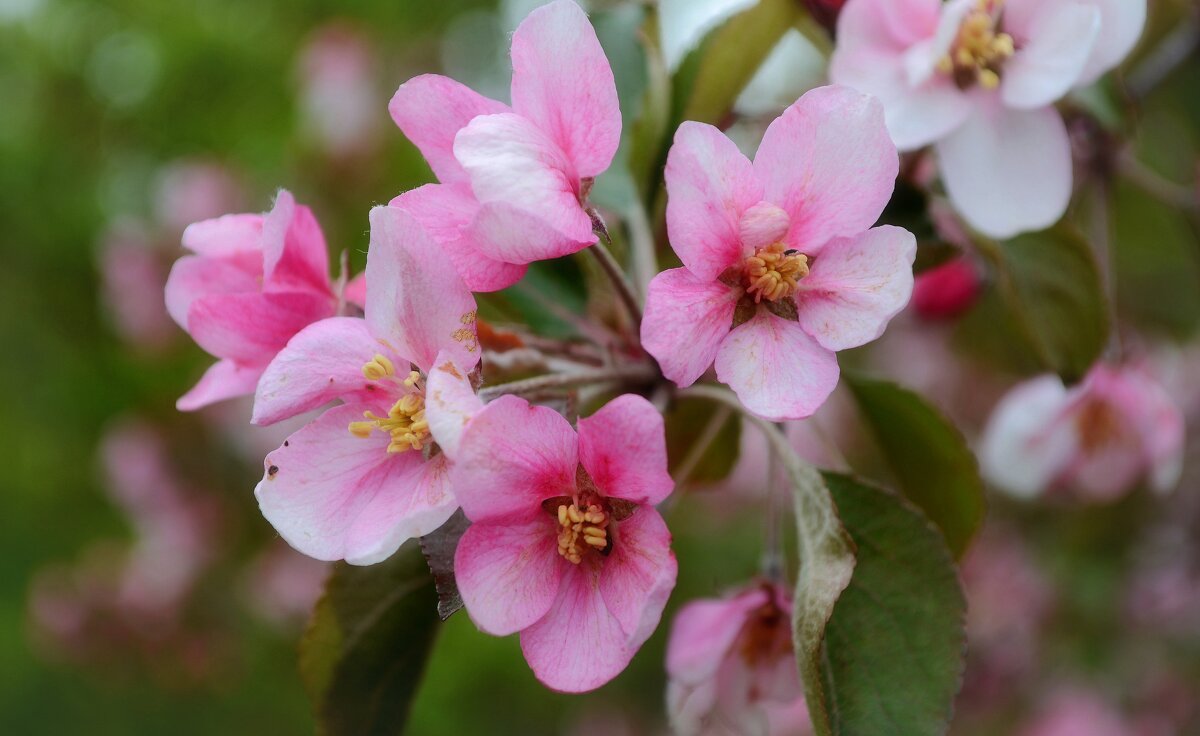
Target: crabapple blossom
<point x="565" y="544"/>
<point x="946" y="290"/>
<point x="250" y="284"/>
<point x="781" y="267"/>
<point x="978" y="79"/>
<point x="366" y="475"/>
<point x="1098" y="439"/>
<point x="731" y="668"/>
<point x="514" y="180"/>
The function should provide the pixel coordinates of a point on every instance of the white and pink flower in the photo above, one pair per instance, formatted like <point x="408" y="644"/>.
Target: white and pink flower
<point x="365" y="476"/>
<point x="1098" y="439"/>
<point x="781" y="265"/>
<point x="978" y="80"/>
<point x="565" y="544"/>
<point x="250" y="284"/>
<point x="514" y="180"/>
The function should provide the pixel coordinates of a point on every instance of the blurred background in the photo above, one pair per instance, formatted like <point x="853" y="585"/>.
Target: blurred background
<point x="142" y="592"/>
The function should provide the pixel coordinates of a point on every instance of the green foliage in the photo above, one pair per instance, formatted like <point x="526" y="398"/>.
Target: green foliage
<point x="929" y="456"/>
<point x="367" y="643"/>
<point x="686" y="423"/>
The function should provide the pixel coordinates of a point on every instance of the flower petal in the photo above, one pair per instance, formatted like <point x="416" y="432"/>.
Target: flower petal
<point x="450" y="402"/>
<point x="1008" y="171"/>
<point x="321" y="363"/>
<point x="430" y="110"/>
<point x="447" y="213"/>
<point x="225" y="235"/>
<point x="857" y="286"/>
<point x="623" y="447"/>
<point x="1024" y="447"/>
<point x="334" y="496"/>
<point x="509" y="573"/>
<point x="637" y="577"/>
<point x="685" y="321"/>
<point x="562" y="81"/>
<point x="1121" y="25"/>
<point x="510" y="160"/>
<point x="703" y="633"/>
<point x="295" y="257"/>
<point x="578" y="646"/>
<point x="829" y="163"/>
<point x="224" y="379"/>
<point x="1052" y="58"/>
<point x="776" y="369"/>
<point x="252" y="328"/>
<point x="195" y="277"/>
<point x="416" y="301"/>
<point x="511" y="457"/>
<point x="710" y="184"/>
<point x="513" y="235"/>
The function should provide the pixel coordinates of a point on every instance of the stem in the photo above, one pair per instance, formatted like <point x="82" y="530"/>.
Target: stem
<point x="616" y="275"/>
<point x="636" y="373"/>
<point x="1156" y="185"/>
<point x="1098" y="224"/>
<point x="707" y="435"/>
<point x="772" y="559"/>
<point x="1165" y="58"/>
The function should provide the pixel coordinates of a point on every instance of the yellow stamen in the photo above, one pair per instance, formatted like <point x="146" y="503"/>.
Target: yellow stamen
<point x="405" y="422"/>
<point x="582" y="527"/>
<point x="378" y="368"/>
<point x="773" y="272"/>
<point x="978" y="52"/>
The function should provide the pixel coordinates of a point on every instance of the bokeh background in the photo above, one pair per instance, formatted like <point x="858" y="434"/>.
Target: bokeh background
<point x="141" y="591"/>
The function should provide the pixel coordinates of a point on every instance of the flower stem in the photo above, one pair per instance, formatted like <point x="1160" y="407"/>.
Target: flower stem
<point x="616" y="275"/>
<point x="700" y="448"/>
<point x="635" y="373"/>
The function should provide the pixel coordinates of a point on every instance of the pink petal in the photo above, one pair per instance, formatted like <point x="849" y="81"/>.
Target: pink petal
<point x="514" y="235"/>
<point x="511" y="161"/>
<point x="447" y="212"/>
<point x="334" y="496"/>
<point x="321" y="363"/>
<point x="195" y="277"/>
<point x="416" y="302"/>
<point x="511" y="457"/>
<point x="578" y="646"/>
<point x="776" y="369"/>
<point x="1008" y="171"/>
<point x="430" y="110"/>
<point x="624" y="449"/>
<point x="224" y="379"/>
<point x="295" y="257"/>
<point x="509" y="573"/>
<point x="251" y="328"/>
<point x="703" y="633"/>
<point x="563" y="83"/>
<point x="638" y="575"/>
<point x="224" y="236"/>
<point x="685" y="321"/>
<point x="450" y="402"/>
<point x="1025" y="446"/>
<point x="1052" y="57"/>
<point x="356" y="291"/>
<point x="856" y="286"/>
<point x="710" y="184"/>
<point x="829" y="163"/>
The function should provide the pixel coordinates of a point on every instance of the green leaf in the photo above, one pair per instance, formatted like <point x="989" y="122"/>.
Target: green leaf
<point x="1050" y="283"/>
<point x="366" y="645"/>
<point x="689" y="422"/>
<point x="893" y="656"/>
<point x="929" y="456"/>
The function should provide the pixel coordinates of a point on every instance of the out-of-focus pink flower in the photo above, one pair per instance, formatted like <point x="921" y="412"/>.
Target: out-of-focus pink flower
<point x="514" y="181"/>
<point x="282" y="585"/>
<point x="1077" y="713"/>
<point x="979" y="78"/>
<point x="731" y="667"/>
<point x="191" y="191"/>
<point x="251" y="283"/>
<point x="825" y="12"/>
<point x="337" y="90"/>
<point x="133" y="272"/>
<point x="358" y="481"/>
<point x="947" y="290"/>
<point x="781" y="265"/>
<point x="565" y="544"/>
<point x="1098" y="439"/>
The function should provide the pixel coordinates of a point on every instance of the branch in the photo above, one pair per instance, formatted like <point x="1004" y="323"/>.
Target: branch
<point x="615" y="273"/>
<point x="636" y="373"/>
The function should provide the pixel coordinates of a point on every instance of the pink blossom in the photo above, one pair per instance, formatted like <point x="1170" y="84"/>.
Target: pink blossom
<point x="565" y="544"/>
<point x="192" y="190"/>
<point x="781" y="265"/>
<point x="364" y="476"/>
<point x="978" y="79"/>
<point x="1073" y="712"/>
<point x="947" y="290"/>
<point x="514" y="180"/>
<point x="731" y="667"/>
<point x="1098" y="439"/>
<point x="338" y="90"/>
<point x="250" y="284"/>
<point x="133" y="272"/>
<point x="282" y="585"/>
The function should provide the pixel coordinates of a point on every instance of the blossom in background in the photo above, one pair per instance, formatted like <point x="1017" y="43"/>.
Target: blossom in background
<point x="731" y="668"/>
<point x="336" y="71"/>
<point x="1097" y="439"/>
<point x="364" y="477"/>
<point x="781" y="265"/>
<point x="978" y="79"/>
<point x="946" y="290"/>
<point x="1077" y="712"/>
<point x="189" y="191"/>
<point x="250" y="284"/>
<point x="132" y="272"/>
<point x="565" y="544"/>
<point x="514" y="181"/>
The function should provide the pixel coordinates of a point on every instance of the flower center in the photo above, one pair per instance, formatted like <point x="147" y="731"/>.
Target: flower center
<point x="978" y="52"/>
<point x="1098" y="425"/>
<point x="405" y="421"/>
<point x="773" y="272"/>
<point x="583" y="525"/>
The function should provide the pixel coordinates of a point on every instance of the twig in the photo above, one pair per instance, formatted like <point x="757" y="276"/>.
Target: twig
<point x="635" y="373"/>
<point x="616" y="275"/>
<point x="707" y="435"/>
<point x="1156" y="185"/>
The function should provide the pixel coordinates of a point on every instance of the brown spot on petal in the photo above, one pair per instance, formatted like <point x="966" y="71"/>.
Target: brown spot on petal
<point x="448" y="367"/>
<point x="271" y="471"/>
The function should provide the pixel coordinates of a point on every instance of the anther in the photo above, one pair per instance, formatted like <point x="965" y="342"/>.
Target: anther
<point x="773" y="273"/>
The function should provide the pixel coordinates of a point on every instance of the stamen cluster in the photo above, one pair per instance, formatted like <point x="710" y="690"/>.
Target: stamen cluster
<point x="979" y="52"/>
<point x="582" y="527"/>
<point x="773" y="272"/>
<point x="405" y="421"/>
